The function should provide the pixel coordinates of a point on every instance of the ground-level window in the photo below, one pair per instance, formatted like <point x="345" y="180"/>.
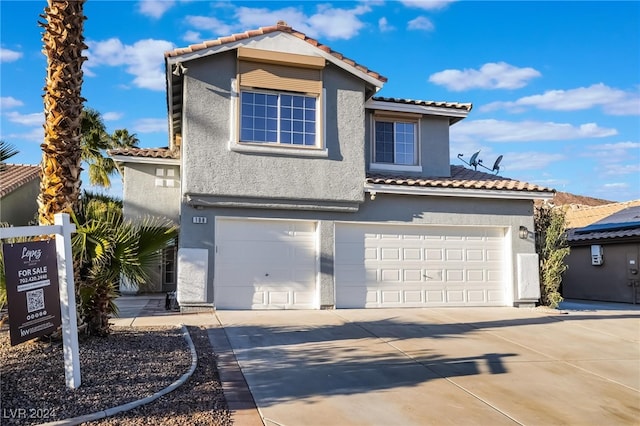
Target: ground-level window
<point x="396" y="143"/>
<point x="278" y="118"/>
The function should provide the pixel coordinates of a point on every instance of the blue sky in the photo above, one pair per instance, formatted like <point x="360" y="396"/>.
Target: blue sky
<point x="555" y="86"/>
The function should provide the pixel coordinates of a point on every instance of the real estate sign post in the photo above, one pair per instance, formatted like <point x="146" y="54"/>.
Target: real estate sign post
<point x="31" y="271"/>
<point x="66" y="307"/>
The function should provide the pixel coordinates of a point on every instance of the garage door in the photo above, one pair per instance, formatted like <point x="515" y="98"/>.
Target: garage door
<point x="415" y="266"/>
<point x="265" y="264"/>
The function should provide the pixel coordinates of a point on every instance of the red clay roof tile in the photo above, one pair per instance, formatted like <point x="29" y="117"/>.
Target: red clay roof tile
<point x="280" y="26"/>
<point x="461" y="177"/>
<point x="13" y="176"/>
<point x="145" y="152"/>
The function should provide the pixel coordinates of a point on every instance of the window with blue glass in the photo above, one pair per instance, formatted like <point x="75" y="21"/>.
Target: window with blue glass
<point x="278" y="118"/>
<point x="395" y="143"/>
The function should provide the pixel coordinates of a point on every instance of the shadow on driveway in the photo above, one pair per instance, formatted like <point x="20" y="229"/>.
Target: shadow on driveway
<point x="411" y="366"/>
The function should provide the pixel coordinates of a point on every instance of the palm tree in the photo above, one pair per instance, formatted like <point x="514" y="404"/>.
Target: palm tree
<point x="109" y="247"/>
<point x="63" y="45"/>
<point x="96" y="141"/>
<point x="6" y="151"/>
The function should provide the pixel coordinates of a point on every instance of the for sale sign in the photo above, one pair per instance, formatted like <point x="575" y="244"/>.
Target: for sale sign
<point x="31" y="271"/>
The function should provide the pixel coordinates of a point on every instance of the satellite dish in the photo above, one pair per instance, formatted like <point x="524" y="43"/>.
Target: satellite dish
<point x="496" y="165"/>
<point x="474" y="160"/>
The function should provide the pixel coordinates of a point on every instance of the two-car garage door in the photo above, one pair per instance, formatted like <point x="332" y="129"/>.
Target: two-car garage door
<point x="273" y="264"/>
<point x="379" y="265"/>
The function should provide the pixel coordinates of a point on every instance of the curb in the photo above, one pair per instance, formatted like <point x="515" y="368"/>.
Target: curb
<point x="134" y="404"/>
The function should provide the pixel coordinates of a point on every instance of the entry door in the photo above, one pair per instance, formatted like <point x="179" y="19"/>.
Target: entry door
<point x="265" y="264"/>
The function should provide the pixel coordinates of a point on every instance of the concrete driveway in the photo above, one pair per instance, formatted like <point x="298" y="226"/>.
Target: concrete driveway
<point x="458" y="366"/>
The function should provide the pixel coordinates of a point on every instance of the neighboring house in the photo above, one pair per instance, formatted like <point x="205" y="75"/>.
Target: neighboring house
<point x="19" y="189"/>
<point x="578" y="216"/>
<point x="151" y="187"/>
<point x="295" y="187"/>
<point x="605" y="255"/>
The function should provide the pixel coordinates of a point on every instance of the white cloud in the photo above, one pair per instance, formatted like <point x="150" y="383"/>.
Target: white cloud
<point x="211" y="24"/>
<point x="616" y="185"/>
<point x="155" y="8"/>
<point x="7" y="102"/>
<point x="112" y="116"/>
<point x="621" y="169"/>
<point x="36" y="134"/>
<point x="383" y="25"/>
<point x="612" y="101"/>
<point x="336" y="23"/>
<point x="427" y="4"/>
<point x="528" y="160"/>
<point x="35" y="119"/>
<point x="328" y="22"/>
<point x="150" y="125"/>
<point x="421" y="23"/>
<point x="192" y="37"/>
<point x="493" y="75"/>
<point x="144" y="59"/>
<point x="7" y="55"/>
<point x="525" y="131"/>
<point x="615" y="159"/>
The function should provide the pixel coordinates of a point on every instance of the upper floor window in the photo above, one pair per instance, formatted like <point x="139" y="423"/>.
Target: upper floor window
<point x="280" y="98"/>
<point x="396" y="142"/>
<point x="278" y="118"/>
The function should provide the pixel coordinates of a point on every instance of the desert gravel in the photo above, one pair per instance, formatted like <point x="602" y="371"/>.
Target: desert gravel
<point x="130" y="364"/>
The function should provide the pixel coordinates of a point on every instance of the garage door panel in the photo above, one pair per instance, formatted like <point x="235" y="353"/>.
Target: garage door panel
<point x="265" y="264"/>
<point x="419" y="266"/>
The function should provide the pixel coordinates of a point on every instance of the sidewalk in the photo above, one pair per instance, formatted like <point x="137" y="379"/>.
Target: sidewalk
<point x="149" y="310"/>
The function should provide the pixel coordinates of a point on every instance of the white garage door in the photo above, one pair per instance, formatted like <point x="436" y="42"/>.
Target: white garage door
<point x="265" y="264"/>
<point x="414" y="266"/>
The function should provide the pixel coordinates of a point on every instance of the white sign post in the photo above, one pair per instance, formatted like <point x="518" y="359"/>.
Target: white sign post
<point x="62" y="229"/>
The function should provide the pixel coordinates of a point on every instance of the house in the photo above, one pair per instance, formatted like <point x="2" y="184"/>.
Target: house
<point x="296" y="187"/>
<point x="604" y="258"/>
<point x="19" y="189"/>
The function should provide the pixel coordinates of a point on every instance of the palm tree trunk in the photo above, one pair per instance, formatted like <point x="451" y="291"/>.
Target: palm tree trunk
<point x="63" y="45"/>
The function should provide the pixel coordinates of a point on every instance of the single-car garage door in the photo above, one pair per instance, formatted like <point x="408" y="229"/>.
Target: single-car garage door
<point x="265" y="264"/>
<point x="379" y="265"/>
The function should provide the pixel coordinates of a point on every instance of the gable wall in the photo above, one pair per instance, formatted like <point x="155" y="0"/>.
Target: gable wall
<point x="212" y="168"/>
<point x="433" y="149"/>
<point x="147" y="193"/>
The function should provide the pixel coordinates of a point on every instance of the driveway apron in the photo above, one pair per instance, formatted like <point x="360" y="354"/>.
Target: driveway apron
<point x="472" y="366"/>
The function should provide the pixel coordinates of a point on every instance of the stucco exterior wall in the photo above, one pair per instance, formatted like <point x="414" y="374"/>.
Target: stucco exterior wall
<point x="20" y="207"/>
<point x="151" y="190"/>
<point x="399" y="209"/>
<point x="433" y="146"/>
<point x="608" y="282"/>
<point x="215" y="168"/>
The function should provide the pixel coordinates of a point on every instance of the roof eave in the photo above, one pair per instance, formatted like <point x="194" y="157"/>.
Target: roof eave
<point x="145" y="160"/>
<point x="458" y="192"/>
<point x="454" y="114"/>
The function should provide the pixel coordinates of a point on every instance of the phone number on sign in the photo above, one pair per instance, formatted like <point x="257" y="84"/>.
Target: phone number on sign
<point x="28" y="413"/>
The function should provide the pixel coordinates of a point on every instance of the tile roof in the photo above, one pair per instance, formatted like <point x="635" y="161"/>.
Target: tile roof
<point x="622" y="224"/>
<point x="580" y="216"/>
<point x="280" y="26"/>
<point x="13" y="176"/>
<point x="145" y="152"/>
<point x="455" y="105"/>
<point x="462" y="178"/>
